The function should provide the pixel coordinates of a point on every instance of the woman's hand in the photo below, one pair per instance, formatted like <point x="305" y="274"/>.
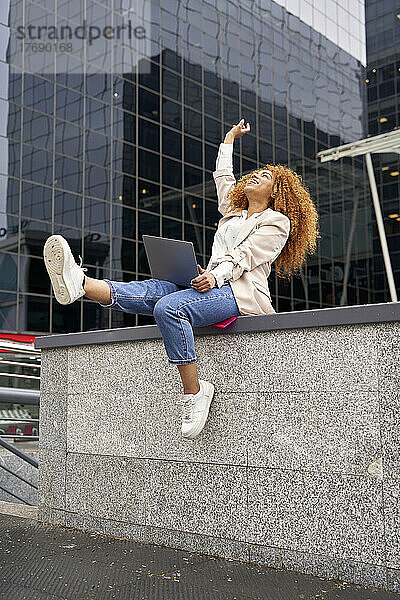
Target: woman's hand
<point x="236" y="131"/>
<point x="204" y="282"/>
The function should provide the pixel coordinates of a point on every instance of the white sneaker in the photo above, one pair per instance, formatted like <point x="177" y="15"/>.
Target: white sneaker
<point x="67" y="277"/>
<point x="195" y="409"/>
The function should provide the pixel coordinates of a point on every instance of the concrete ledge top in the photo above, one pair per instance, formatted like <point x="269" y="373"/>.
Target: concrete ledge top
<point x="323" y="317"/>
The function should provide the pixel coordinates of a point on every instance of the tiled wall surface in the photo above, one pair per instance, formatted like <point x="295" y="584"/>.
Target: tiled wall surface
<point x="298" y="465"/>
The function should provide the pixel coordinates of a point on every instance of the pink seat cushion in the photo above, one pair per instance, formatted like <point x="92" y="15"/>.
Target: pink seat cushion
<point x="224" y="323"/>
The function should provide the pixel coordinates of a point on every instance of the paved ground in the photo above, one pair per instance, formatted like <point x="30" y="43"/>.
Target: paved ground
<point x="48" y="562"/>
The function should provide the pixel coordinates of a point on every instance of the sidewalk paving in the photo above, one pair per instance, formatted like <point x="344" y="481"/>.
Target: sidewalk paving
<point x="50" y="562"/>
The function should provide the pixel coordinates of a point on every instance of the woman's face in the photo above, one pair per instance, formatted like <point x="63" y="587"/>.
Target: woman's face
<point x="261" y="182"/>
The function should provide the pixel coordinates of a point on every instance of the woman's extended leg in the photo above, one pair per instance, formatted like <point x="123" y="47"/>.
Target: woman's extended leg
<point x="100" y="291"/>
<point x="136" y="297"/>
<point x="97" y="289"/>
<point x="139" y="297"/>
<point x="174" y="317"/>
<point x="176" y="314"/>
<point x="70" y="283"/>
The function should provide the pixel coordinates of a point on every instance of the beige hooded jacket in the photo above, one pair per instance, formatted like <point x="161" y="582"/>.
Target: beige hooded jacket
<point x="259" y="242"/>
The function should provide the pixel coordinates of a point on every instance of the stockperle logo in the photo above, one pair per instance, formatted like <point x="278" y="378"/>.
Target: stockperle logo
<point x="44" y="33"/>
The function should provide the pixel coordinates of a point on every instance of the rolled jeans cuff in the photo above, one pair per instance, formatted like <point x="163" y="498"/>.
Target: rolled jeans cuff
<point x="113" y="294"/>
<point x="181" y="362"/>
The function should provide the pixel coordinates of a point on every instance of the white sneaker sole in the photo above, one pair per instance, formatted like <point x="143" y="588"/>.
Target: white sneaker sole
<point x="55" y="254"/>
<point x="209" y="391"/>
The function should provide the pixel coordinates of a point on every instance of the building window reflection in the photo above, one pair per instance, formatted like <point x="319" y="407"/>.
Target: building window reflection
<point x="104" y="152"/>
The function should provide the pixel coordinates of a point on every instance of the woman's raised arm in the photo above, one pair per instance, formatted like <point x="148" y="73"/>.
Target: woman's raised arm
<point x="223" y="174"/>
<point x="236" y="131"/>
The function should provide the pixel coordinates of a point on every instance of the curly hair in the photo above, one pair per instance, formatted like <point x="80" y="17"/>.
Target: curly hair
<point x="292" y="198"/>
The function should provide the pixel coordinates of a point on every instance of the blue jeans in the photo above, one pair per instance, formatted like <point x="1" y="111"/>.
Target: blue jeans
<point x="176" y="310"/>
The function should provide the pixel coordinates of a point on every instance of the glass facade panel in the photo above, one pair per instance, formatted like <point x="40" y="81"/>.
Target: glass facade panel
<point x="109" y="140"/>
<point x="383" y="86"/>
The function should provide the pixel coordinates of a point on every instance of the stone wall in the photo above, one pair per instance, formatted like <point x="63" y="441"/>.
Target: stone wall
<point x="298" y="465"/>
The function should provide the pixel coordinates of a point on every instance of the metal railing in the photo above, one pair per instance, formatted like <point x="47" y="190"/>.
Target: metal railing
<point x="9" y="395"/>
<point x="12" y="395"/>
<point x="19" y="396"/>
<point x="26" y="458"/>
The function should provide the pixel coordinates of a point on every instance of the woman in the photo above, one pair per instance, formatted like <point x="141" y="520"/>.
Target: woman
<point x="267" y="216"/>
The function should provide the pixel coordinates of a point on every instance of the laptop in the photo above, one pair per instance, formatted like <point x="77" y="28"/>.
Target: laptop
<point x="171" y="260"/>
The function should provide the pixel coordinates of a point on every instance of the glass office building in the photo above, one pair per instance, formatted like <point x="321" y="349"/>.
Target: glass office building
<point x="110" y="133"/>
<point x="383" y="93"/>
